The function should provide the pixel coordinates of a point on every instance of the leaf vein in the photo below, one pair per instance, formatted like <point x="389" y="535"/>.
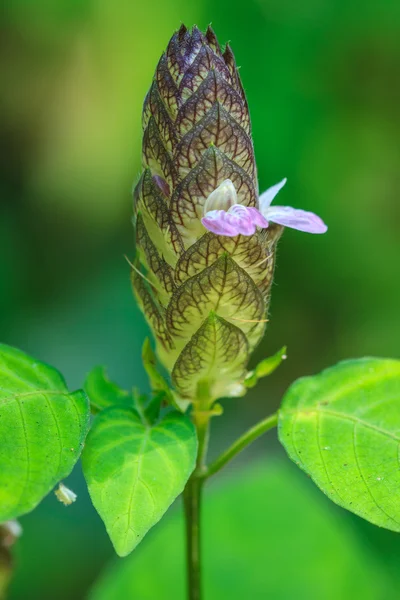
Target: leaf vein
<point x="375" y="502"/>
<point x="348" y="418"/>
<point x="323" y="459"/>
<point x="58" y="431"/>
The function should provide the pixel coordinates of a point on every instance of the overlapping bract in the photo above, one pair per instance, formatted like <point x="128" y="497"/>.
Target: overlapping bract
<point x="205" y="296"/>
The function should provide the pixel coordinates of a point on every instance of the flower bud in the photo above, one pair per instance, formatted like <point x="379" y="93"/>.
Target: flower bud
<point x="65" y="495"/>
<point x="204" y="295"/>
<point x="10" y="531"/>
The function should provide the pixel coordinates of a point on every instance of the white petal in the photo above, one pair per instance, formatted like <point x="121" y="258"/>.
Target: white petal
<point x="222" y="198"/>
<point x="266" y="197"/>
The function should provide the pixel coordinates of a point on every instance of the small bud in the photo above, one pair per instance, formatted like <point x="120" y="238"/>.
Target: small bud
<point x="236" y="390"/>
<point x="10" y="531"/>
<point x="65" y="495"/>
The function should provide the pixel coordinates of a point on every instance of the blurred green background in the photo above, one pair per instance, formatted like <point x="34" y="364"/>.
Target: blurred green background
<point x="322" y="79"/>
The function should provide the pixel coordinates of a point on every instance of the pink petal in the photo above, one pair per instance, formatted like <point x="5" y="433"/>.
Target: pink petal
<point x="237" y="220"/>
<point x="257" y="217"/>
<point x="217" y="222"/>
<point x="297" y="219"/>
<point x="266" y="197"/>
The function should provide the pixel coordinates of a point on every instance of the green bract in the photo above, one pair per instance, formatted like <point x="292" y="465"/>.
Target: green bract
<point x="205" y="296"/>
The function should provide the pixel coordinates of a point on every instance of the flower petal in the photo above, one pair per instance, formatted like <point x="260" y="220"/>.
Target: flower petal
<point x="217" y="222"/>
<point x="295" y="218"/>
<point x="266" y="197"/>
<point x="237" y="220"/>
<point x="222" y="198"/>
<point x="248" y="213"/>
<point x="257" y="217"/>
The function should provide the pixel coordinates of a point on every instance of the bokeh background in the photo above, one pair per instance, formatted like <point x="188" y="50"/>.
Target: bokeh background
<point x="323" y="84"/>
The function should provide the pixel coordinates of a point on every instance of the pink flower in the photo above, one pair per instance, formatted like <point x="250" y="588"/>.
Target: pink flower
<point x="223" y="216"/>
<point x="237" y="219"/>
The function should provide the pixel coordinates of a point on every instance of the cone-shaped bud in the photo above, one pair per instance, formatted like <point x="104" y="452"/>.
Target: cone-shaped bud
<point x="205" y="296"/>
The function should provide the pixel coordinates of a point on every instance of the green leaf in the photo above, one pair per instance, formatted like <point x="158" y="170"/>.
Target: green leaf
<point x="268" y="533"/>
<point x="42" y="430"/>
<point x="342" y="427"/>
<point x="135" y="472"/>
<point x="265" y="368"/>
<point x="153" y="407"/>
<point x="104" y="393"/>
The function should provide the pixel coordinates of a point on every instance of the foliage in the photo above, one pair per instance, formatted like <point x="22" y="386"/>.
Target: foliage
<point x="266" y="532"/>
<point x="135" y="470"/>
<point x="103" y="392"/>
<point x="318" y="116"/>
<point x="42" y="430"/>
<point x="343" y="428"/>
<point x="340" y="426"/>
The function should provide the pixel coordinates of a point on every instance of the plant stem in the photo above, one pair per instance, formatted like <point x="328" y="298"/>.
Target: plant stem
<point x="192" y="501"/>
<point x="247" y="438"/>
<point x="192" y="504"/>
<point x="193" y="490"/>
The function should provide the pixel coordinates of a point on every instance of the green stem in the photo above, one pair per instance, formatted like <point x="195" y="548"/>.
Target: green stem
<point x="247" y="438"/>
<point x="192" y="504"/>
<point x="193" y="490"/>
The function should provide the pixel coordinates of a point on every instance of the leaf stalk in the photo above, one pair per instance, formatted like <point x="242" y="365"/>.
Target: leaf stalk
<point x="242" y="442"/>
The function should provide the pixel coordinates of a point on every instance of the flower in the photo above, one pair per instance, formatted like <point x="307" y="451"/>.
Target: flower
<point x="203" y="288"/>
<point x="223" y="216"/>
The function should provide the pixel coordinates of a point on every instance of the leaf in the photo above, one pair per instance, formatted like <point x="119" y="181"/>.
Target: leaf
<point x="265" y="368"/>
<point x="153" y="408"/>
<point x="104" y="393"/>
<point x="262" y="515"/>
<point x="42" y="430"/>
<point x="342" y="427"/>
<point x="135" y="472"/>
<point x="148" y="409"/>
